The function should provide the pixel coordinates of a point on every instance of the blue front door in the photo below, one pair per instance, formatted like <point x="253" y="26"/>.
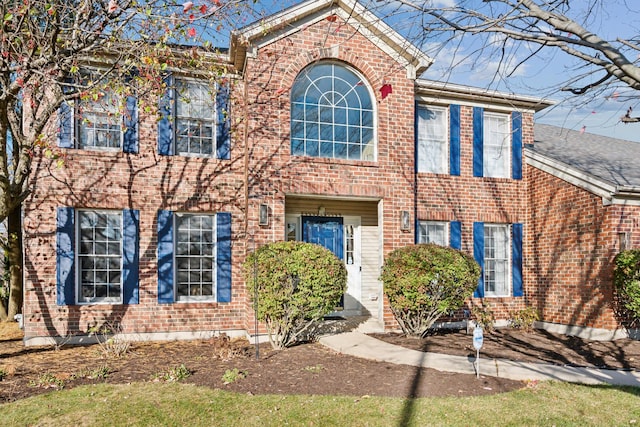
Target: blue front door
<point x="324" y="231"/>
<point x="327" y="232"/>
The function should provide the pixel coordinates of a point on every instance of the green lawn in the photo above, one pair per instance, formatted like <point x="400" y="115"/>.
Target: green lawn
<point x="160" y="404"/>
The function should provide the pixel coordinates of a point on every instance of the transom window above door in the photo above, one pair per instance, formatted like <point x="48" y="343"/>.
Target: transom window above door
<point x="332" y="114"/>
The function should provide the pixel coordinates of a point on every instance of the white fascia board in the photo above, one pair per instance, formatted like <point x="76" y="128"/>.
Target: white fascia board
<point x="295" y="18"/>
<point x="433" y="91"/>
<point x="570" y="174"/>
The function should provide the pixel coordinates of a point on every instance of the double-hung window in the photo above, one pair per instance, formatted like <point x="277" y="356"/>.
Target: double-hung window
<point x="99" y="124"/>
<point x="497" y="245"/>
<point x="101" y="119"/>
<point x="194" y="257"/>
<point x="332" y="114"/>
<point x="97" y="256"/>
<point x="497" y="146"/>
<point x="436" y="232"/>
<point x="433" y="139"/>
<point x="100" y="256"/>
<point x="498" y="250"/>
<point x="195" y="118"/>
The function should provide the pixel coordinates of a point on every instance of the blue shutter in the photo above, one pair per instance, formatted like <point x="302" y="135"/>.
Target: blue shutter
<point x="130" y="255"/>
<point x="223" y="129"/>
<point x="478" y="136"/>
<point x="478" y="254"/>
<point x="455" y="235"/>
<point x="416" y="107"/>
<point x="65" y="256"/>
<point x="167" y="117"/>
<point x="65" y="125"/>
<point x="223" y="257"/>
<point x="165" y="257"/>
<point x="454" y="140"/>
<point x="516" y="259"/>
<point x="516" y="145"/>
<point x="130" y="137"/>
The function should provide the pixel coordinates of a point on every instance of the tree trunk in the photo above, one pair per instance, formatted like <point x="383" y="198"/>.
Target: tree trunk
<point x="14" y="253"/>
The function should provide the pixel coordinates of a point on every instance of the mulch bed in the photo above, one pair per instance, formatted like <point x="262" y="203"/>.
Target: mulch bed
<point x="303" y="369"/>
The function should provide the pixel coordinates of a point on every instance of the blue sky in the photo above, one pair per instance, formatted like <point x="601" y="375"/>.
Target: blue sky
<point x="540" y="75"/>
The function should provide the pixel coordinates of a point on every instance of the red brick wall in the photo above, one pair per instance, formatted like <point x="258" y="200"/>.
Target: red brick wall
<point x="148" y="182"/>
<point x="274" y="173"/>
<point x="470" y="199"/>
<point x="571" y="242"/>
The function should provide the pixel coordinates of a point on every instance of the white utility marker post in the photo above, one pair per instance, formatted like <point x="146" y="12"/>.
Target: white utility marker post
<point x="478" y="340"/>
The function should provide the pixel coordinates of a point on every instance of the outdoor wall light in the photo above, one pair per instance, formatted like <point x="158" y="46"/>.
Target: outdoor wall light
<point x="263" y="218"/>
<point x="405" y="221"/>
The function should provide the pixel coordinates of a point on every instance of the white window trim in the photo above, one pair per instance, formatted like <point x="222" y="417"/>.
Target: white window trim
<point x="78" y="278"/>
<point x="447" y="150"/>
<point x="194" y="298"/>
<point x="214" y="116"/>
<point x="509" y="249"/>
<point x="506" y="146"/>
<point x="427" y="222"/>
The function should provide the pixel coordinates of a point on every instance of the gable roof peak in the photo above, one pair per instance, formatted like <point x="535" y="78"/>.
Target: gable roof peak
<point x="246" y="41"/>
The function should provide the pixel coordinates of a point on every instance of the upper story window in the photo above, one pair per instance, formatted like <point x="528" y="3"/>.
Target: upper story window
<point x="433" y="139"/>
<point x="497" y="146"/>
<point x="100" y="119"/>
<point x="332" y="114"/>
<point x="99" y="123"/>
<point x="195" y="118"/>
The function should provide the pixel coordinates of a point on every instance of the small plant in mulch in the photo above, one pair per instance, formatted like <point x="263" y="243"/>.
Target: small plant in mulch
<point x="111" y="345"/>
<point x="484" y="317"/>
<point x="225" y="348"/>
<point x="524" y="319"/>
<point x="175" y="374"/>
<point x="233" y="375"/>
<point x="100" y="373"/>
<point x="48" y="380"/>
<point x="314" y="369"/>
<point x="3" y="374"/>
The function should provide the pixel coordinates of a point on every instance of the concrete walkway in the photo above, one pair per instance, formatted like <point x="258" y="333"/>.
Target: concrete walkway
<point x="361" y="345"/>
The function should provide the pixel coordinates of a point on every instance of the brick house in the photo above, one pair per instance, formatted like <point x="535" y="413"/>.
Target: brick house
<point x="325" y="134"/>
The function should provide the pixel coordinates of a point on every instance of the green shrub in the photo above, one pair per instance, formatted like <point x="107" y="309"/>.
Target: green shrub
<point x="232" y="375"/>
<point x="523" y="319"/>
<point x="425" y="281"/>
<point x="298" y="283"/>
<point x="626" y="278"/>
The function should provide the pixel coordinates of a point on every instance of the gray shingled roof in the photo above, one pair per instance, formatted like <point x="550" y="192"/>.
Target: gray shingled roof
<point x="615" y="161"/>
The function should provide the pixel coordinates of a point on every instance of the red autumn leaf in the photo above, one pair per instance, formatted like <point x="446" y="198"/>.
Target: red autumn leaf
<point x="332" y="18"/>
<point x="203" y="9"/>
<point x="192" y="32"/>
<point x="385" y="90"/>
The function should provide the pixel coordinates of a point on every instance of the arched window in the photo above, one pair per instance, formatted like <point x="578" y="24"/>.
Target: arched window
<point x="332" y="114"/>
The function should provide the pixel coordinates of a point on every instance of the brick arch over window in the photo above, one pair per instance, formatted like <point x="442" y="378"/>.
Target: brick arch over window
<point x="337" y="53"/>
<point x="332" y="113"/>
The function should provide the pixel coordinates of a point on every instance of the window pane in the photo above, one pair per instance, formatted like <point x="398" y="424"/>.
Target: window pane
<point x="497" y="249"/>
<point x="195" y="117"/>
<point x="432" y="140"/>
<point x="343" y="99"/>
<point x="100" y="256"/>
<point x="99" y="121"/>
<point x="496" y="146"/>
<point x="195" y="276"/>
<point x="433" y="232"/>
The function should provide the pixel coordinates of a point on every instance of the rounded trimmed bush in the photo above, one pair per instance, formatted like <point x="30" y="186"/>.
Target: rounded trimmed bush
<point x="626" y="278"/>
<point x="297" y="284"/>
<point x="425" y="281"/>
